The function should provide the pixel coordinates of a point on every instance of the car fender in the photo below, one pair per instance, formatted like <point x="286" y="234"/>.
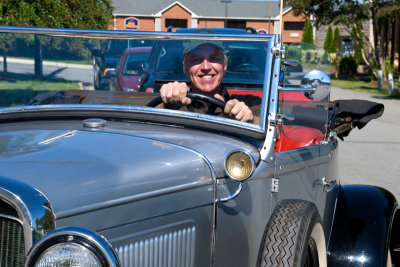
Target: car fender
<point x="362" y="226"/>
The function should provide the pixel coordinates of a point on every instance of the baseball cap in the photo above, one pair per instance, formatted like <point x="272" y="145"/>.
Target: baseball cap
<point x="191" y="45"/>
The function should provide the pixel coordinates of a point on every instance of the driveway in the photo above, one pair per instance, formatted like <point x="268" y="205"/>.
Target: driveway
<point x="372" y="155"/>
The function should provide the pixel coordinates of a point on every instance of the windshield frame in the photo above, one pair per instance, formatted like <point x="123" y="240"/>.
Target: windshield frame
<point x="145" y="113"/>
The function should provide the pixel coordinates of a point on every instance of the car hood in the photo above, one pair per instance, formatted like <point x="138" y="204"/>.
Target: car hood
<point x="77" y="169"/>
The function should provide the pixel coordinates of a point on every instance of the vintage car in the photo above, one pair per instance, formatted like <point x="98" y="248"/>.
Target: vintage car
<point x="113" y="178"/>
<point x="106" y="54"/>
<point x="131" y="66"/>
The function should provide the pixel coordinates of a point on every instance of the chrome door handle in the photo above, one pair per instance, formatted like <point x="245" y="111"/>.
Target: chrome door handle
<point x="326" y="186"/>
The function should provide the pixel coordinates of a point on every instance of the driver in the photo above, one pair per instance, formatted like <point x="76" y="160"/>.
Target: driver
<point x="205" y="64"/>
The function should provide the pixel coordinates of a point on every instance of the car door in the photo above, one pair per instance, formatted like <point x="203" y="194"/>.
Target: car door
<point x="306" y="149"/>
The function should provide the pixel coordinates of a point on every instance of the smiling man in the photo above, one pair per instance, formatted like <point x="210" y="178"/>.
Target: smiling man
<point x="205" y="64"/>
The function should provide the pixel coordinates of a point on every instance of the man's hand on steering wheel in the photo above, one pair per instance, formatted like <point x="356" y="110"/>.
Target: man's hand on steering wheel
<point x="174" y="94"/>
<point x="238" y="110"/>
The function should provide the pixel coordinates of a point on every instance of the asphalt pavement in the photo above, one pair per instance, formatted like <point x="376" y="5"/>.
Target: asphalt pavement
<point x="372" y="155"/>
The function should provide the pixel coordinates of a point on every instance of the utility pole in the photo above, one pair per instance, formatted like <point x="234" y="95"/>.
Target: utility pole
<point x="269" y="18"/>
<point x="226" y="11"/>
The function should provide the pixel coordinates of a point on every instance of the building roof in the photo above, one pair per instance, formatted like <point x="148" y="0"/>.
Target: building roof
<point x="200" y="8"/>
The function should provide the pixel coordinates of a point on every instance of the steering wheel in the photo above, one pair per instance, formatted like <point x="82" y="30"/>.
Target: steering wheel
<point x="246" y="67"/>
<point x="215" y="102"/>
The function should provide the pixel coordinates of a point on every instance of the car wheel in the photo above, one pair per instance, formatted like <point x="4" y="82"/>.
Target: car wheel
<point x="294" y="237"/>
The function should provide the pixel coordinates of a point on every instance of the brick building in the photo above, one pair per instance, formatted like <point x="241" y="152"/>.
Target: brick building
<point x="158" y="15"/>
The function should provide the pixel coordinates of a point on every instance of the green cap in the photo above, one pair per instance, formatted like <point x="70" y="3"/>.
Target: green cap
<point x="191" y="45"/>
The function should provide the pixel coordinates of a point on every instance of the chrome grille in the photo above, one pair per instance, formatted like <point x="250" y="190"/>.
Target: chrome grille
<point x="175" y="249"/>
<point x="12" y="247"/>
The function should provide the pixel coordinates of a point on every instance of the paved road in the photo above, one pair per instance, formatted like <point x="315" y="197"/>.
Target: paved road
<point x="372" y="155"/>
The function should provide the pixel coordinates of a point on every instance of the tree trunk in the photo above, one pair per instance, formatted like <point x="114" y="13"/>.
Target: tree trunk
<point x="38" y="59"/>
<point x="5" y="68"/>
<point x="382" y="50"/>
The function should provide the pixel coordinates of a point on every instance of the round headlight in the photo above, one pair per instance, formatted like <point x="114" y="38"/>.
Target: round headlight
<point x="239" y="165"/>
<point x="67" y="254"/>
<point x="72" y="246"/>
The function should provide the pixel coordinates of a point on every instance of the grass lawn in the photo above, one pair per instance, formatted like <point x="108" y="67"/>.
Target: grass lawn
<point x="366" y="86"/>
<point x="20" y="89"/>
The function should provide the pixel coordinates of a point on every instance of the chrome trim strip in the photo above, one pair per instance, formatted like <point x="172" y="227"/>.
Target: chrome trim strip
<point x="235" y="194"/>
<point x="99" y="241"/>
<point x="32" y="206"/>
<point x="268" y="150"/>
<point x="214" y="233"/>
<point x="266" y="87"/>
<point x="135" y="35"/>
<point x="138" y="197"/>
<point x="10" y="217"/>
<point x="50" y="140"/>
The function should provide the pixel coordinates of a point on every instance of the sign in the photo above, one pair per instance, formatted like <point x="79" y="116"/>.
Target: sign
<point x="132" y="24"/>
<point x="262" y="31"/>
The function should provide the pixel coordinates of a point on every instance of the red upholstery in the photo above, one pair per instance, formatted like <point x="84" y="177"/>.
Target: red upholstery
<point x="293" y="137"/>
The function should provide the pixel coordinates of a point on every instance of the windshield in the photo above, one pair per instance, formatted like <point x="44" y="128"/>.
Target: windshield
<point x="57" y="69"/>
<point x="306" y="112"/>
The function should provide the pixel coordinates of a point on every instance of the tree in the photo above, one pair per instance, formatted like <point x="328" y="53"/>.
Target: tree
<point x="358" y="36"/>
<point x="328" y="43"/>
<point x="336" y="36"/>
<point x="308" y="36"/>
<point x="349" y="13"/>
<point x="83" y="14"/>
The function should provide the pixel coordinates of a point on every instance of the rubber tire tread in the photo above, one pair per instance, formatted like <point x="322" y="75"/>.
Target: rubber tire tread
<point x="288" y="233"/>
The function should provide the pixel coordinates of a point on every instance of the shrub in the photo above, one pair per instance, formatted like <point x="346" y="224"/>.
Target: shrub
<point x="329" y="41"/>
<point x="308" y="36"/>
<point x="347" y="66"/>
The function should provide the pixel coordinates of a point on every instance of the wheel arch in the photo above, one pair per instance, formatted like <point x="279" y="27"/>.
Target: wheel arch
<point x="362" y="226"/>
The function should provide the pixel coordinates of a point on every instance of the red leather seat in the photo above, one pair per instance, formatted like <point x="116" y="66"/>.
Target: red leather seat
<point x="293" y="137"/>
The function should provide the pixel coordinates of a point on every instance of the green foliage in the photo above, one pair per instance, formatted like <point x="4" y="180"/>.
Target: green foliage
<point x="358" y="37"/>
<point x="347" y="66"/>
<point x="349" y="13"/>
<point x="83" y="14"/>
<point x="326" y="12"/>
<point x="88" y="14"/>
<point x="308" y="36"/>
<point x="388" y="66"/>
<point x="329" y="44"/>
<point x="326" y="59"/>
<point x="336" y="36"/>
<point x="293" y="54"/>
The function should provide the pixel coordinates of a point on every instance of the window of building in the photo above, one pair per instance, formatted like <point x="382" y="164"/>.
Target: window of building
<point x="176" y="23"/>
<point x="238" y="24"/>
<point x="293" y="25"/>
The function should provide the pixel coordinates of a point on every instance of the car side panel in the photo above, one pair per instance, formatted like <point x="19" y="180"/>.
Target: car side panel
<point x="242" y="221"/>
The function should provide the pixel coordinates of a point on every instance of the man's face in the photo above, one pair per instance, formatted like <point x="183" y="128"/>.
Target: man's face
<point x="205" y="66"/>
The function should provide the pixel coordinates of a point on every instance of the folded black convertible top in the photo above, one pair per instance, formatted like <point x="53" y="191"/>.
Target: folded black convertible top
<point x="350" y="113"/>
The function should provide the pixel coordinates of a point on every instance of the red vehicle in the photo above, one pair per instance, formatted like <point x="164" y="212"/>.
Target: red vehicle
<point x="125" y="76"/>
